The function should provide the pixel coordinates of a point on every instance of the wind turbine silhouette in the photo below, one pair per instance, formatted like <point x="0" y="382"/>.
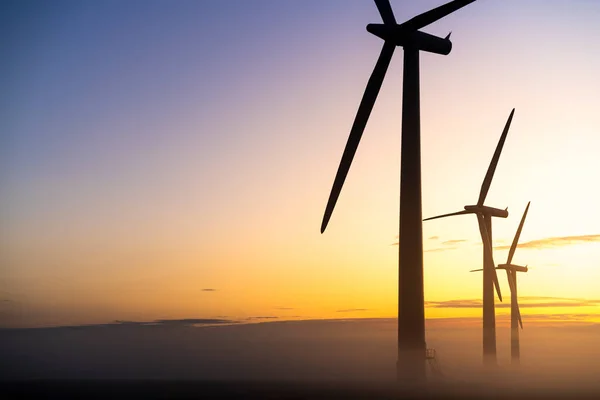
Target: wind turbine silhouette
<point x="411" y="309"/>
<point x="511" y="275"/>
<point x="490" y="279"/>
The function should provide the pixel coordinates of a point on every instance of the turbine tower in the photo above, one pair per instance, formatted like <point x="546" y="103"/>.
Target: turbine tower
<point x="411" y="363"/>
<point x="490" y="279"/>
<point x="511" y="275"/>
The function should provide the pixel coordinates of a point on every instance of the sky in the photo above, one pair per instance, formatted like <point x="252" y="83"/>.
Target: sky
<point x="165" y="160"/>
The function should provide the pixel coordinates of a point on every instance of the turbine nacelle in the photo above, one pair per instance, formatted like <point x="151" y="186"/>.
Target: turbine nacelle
<point x="512" y="267"/>
<point x="485" y="210"/>
<point x="398" y="35"/>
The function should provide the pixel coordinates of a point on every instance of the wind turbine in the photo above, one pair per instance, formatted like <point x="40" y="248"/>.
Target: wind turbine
<point x="411" y="309"/>
<point x="511" y="275"/>
<point x="490" y="279"/>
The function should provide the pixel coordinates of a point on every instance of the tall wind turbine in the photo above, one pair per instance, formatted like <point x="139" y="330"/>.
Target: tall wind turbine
<point x="511" y="275"/>
<point x="490" y="279"/>
<point x="411" y="309"/>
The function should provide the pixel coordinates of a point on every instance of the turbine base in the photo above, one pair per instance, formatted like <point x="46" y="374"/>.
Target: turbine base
<point x="411" y="368"/>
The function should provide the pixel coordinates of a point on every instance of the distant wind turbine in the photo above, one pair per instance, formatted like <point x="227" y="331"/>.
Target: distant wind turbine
<point x="490" y="279"/>
<point x="511" y="275"/>
<point x="411" y="309"/>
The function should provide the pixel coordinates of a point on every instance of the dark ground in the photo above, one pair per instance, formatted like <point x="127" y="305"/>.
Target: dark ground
<point x="333" y="359"/>
<point x="154" y="389"/>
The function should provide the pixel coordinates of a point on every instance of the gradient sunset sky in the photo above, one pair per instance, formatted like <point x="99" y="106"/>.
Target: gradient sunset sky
<point x="173" y="159"/>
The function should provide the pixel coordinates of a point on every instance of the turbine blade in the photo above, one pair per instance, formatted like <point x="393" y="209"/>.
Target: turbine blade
<point x="385" y="10"/>
<point x="429" y="17"/>
<point x="449" y="215"/>
<point x="519" y="315"/>
<point x="360" y="121"/>
<point x="485" y="187"/>
<point x="486" y="242"/>
<point x="476" y="270"/>
<point x="516" y="301"/>
<point x="510" y="282"/>
<point x="515" y="242"/>
<point x="514" y="273"/>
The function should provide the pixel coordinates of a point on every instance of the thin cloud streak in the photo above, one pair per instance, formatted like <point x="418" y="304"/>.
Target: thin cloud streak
<point x="552" y="242"/>
<point x="438" y="249"/>
<point x="455" y="241"/>
<point x="445" y="243"/>
<point x="181" y="322"/>
<point x="524" y="302"/>
<point x="434" y="250"/>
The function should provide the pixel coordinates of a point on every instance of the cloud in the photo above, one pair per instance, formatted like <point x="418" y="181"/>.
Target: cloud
<point x="265" y="317"/>
<point x="497" y="244"/>
<point x="563" y="316"/>
<point x="524" y="302"/>
<point x="536" y="302"/>
<point x="454" y="304"/>
<point x="192" y="321"/>
<point x="555" y="242"/>
<point x="455" y="241"/>
<point x="353" y="310"/>
<point x="209" y="290"/>
<point x="438" y="249"/>
<point x="117" y="324"/>
<point x="447" y="242"/>
<point x="561" y="319"/>
<point x="180" y="322"/>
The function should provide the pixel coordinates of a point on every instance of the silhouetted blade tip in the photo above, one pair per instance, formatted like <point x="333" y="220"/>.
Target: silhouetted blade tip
<point x="324" y="224"/>
<point x="487" y="181"/>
